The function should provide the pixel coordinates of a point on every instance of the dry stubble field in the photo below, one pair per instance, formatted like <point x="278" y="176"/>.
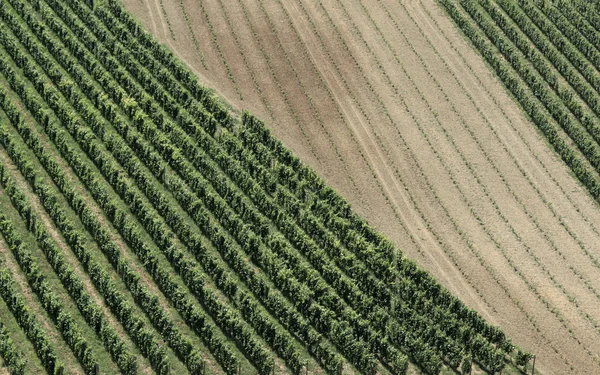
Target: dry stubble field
<point x="387" y="101"/>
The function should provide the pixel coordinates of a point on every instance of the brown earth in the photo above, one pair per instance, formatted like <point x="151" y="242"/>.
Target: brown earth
<point x="387" y="101"/>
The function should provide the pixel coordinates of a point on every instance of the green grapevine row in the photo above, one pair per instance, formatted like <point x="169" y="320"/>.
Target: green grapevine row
<point x="546" y="70"/>
<point x="13" y="358"/>
<point x="157" y="199"/>
<point x="72" y="283"/>
<point x="29" y="322"/>
<point x="166" y="57"/>
<point x="51" y="302"/>
<point x="148" y="302"/>
<point x="179" y="162"/>
<point x="435" y="287"/>
<point x="529" y="99"/>
<point x="337" y="215"/>
<point x="569" y="10"/>
<point x="176" y="223"/>
<point x="115" y="300"/>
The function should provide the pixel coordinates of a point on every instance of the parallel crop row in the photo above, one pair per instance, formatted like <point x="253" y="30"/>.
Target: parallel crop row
<point x="29" y="322"/>
<point x="538" y="100"/>
<point x="337" y="216"/>
<point x="263" y="262"/>
<point x="127" y="228"/>
<point x="227" y="164"/>
<point x="200" y="215"/>
<point x="13" y="358"/>
<point x="241" y="182"/>
<point x="145" y="340"/>
<point x="63" y="320"/>
<point x="538" y="53"/>
<point x="241" y="240"/>
<point x="172" y="217"/>
<point x="72" y="283"/>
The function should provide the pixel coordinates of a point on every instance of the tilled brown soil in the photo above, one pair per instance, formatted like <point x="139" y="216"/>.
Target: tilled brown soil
<point x="387" y="101"/>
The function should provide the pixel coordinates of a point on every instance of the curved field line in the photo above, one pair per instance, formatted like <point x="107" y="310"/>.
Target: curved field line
<point x="530" y="285"/>
<point x="217" y="47"/>
<point x="192" y="34"/>
<point x="434" y="242"/>
<point x="245" y="59"/>
<point x="164" y="13"/>
<point x="273" y="74"/>
<point x="306" y="93"/>
<point x="341" y="78"/>
<point x="513" y="231"/>
<point x="542" y="232"/>
<point x="343" y="114"/>
<point x="527" y="144"/>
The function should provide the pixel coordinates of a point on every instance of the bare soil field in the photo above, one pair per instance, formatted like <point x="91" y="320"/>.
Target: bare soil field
<point x="387" y="101"/>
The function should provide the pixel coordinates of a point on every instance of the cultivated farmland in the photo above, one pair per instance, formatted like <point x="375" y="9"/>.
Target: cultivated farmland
<point x="146" y="229"/>
<point x="397" y="109"/>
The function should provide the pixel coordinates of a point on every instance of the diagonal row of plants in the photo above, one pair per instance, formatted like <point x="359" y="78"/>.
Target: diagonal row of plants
<point x="14" y="358"/>
<point x="140" y="246"/>
<point x="283" y="178"/>
<point x="147" y="343"/>
<point x="557" y="82"/>
<point x="270" y="262"/>
<point x="90" y="311"/>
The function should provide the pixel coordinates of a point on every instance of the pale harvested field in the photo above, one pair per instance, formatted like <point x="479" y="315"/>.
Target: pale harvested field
<point x="386" y="100"/>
